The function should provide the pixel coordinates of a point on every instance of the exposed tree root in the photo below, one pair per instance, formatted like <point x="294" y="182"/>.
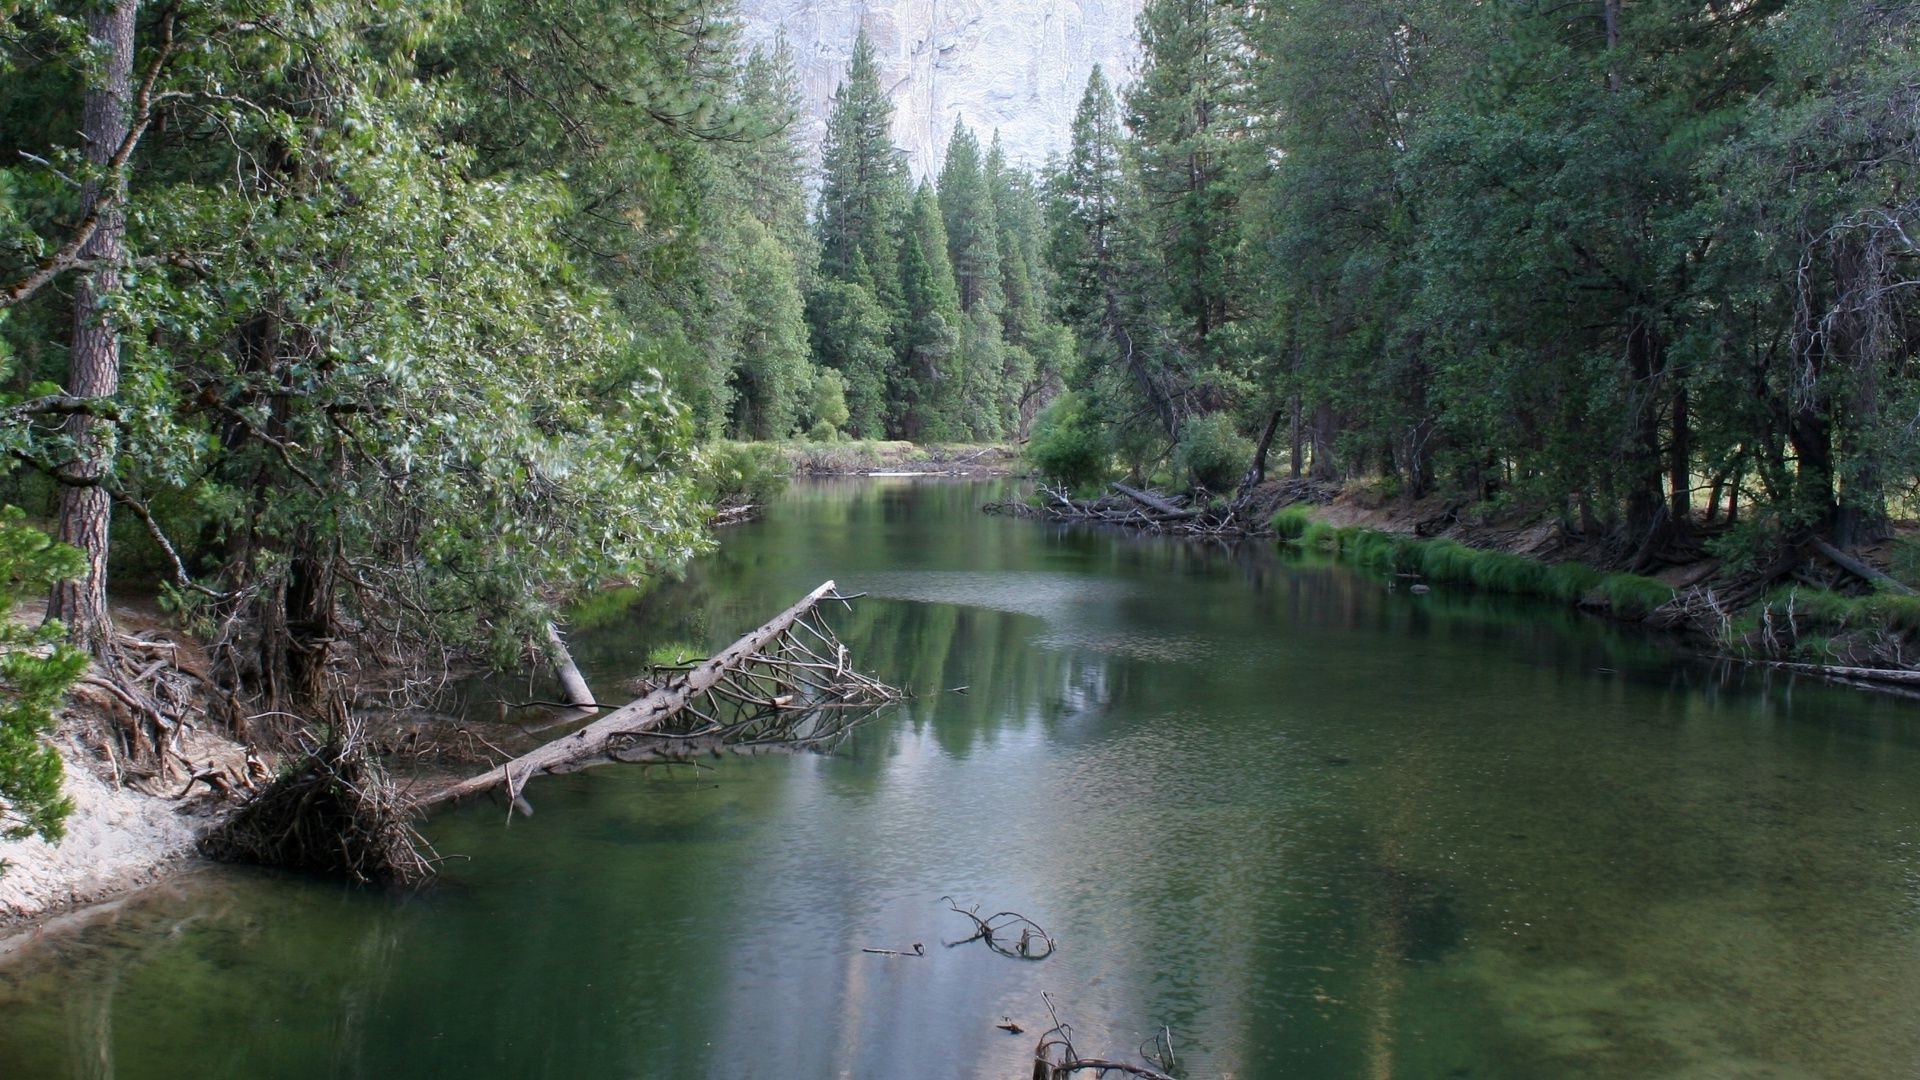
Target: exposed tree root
<point x="334" y="812"/>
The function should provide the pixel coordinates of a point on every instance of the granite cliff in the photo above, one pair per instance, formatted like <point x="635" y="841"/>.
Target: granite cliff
<point x="1018" y="66"/>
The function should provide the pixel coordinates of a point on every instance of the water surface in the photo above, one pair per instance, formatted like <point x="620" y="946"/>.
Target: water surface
<point x="1316" y="826"/>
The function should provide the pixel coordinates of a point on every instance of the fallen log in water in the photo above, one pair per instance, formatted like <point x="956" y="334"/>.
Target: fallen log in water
<point x="1863" y="674"/>
<point x="788" y="683"/>
<point x="1166" y="510"/>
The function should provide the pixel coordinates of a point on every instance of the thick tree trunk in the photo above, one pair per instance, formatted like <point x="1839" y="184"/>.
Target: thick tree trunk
<point x="94" y="361"/>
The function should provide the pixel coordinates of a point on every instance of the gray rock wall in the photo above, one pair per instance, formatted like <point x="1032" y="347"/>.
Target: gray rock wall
<point x="1018" y="66"/>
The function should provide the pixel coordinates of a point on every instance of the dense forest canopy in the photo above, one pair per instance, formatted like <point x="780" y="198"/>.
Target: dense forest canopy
<point x="401" y="324"/>
<point x="1642" y="265"/>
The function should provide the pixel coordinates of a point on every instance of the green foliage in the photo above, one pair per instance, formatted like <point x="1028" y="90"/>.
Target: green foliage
<point x="1634" y="597"/>
<point x="827" y="406"/>
<point x="1068" y="447"/>
<point x="1212" y="453"/>
<point x="735" y="474"/>
<point x="674" y="654"/>
<point x="1904" y="564"/>
<point x="1571" y="582"/>
<point x="1291" y="522"/>
<point x="1832" y="613"/>
<point x="36" y="668"/>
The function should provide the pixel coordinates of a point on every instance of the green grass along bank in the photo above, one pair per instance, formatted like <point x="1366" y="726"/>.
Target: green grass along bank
<point x="1795" y="624"/>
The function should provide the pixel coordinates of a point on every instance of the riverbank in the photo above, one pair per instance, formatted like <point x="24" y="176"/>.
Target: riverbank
<point x="118" y="839"/>
<point x="879" y="458"/>
<point x="1807" y="608"/>
<point x="1752" y="597"/>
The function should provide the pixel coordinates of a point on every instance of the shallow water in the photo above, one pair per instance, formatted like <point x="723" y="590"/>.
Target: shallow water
<point x="1317" y="827"/>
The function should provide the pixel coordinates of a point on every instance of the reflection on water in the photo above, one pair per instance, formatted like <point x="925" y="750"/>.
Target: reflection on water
<point x="1318" y="827"/>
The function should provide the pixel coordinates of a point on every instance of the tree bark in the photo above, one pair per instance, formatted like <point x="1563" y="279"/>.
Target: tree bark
<point x="94" y="360"/>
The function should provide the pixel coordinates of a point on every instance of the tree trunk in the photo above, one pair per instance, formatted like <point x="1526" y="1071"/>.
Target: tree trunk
<point x="1679" y="461"/>
<point x="94" y="361"/>
<point x="1257" y="470"/>
<point x="1294" y="463"/>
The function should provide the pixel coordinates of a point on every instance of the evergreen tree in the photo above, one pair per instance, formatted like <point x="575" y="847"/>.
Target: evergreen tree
<point x="863" y="193"/>
<point x="973" y="234"/>
<point x="929" y="382"/>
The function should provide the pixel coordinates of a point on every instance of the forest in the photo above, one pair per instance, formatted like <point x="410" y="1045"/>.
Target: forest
<point x="368" y="335"/>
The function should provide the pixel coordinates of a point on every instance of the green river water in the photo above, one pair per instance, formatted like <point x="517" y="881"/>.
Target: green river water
<point x="1318" y="827"/>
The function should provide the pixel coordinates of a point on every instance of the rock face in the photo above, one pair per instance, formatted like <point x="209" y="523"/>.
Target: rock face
<point x="1018" y="66"/>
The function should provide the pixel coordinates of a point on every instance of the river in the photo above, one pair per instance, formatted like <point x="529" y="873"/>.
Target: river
<point x="1315" y="826"/>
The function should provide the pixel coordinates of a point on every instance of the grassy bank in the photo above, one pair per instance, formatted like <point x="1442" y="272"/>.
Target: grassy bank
<point x="1448" y="562"/>
<point x="1797" y="623"/>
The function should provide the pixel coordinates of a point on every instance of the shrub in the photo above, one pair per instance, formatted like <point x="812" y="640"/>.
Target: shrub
<point x="1292" y="521"/>
<point x="736" y="474"/>
<point x="1212" y="453"/>
<point x="1068" y="446"/>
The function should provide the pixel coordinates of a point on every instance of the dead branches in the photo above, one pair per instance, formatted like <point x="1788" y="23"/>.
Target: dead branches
<point x="789" y="684"/>
<point x="1033" y="943"/>
<point x="1055" y="1058"/>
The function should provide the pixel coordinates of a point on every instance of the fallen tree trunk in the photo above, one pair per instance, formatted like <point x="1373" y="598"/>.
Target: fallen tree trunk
<point x="574" y="684"/>
<point x="747" y="675"/>
<point x="1858" y="568"/>
<point x="1885" y="675"/>
<point x="1155" y="503"/>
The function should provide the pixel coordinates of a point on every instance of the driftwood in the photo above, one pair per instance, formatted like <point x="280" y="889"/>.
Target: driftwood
<point x="788" y="683"/>
<point x="1133" y="509"/>
<point x="1034" y="943"/>
<point x="1165" y="509"/>
<point x="1887" y="675"/>
<point x="1055" y="1058"/>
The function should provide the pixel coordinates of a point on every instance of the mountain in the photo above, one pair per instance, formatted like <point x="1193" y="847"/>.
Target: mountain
<point x="1018" y="66"/>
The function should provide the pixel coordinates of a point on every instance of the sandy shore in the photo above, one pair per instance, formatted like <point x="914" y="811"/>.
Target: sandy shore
<point x="118" y="839"/>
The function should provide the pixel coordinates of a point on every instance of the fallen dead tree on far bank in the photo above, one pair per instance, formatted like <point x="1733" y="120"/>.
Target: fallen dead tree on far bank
<point x="1189" y="515"/>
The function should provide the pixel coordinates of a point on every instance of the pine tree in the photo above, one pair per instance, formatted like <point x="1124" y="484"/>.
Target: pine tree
<point x="929" y="382"/>
<point x="973" y="235"/>
<point x="1187" y="113"/>
<point x="863" y="176"/>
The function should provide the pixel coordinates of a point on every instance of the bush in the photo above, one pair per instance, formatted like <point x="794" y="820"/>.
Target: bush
<point x="1212" y="453"/>
<point x="1068" y="447"/>
<point x="742" y="474"/>
<point x="1291" y="522"/>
